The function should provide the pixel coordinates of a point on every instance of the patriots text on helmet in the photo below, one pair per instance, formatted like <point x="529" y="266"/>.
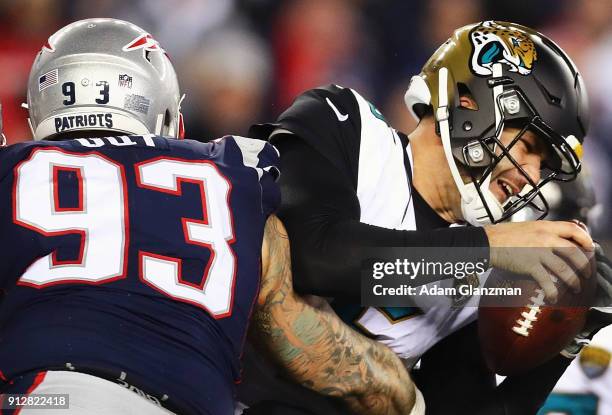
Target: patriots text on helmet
<point x="69" y="122"/>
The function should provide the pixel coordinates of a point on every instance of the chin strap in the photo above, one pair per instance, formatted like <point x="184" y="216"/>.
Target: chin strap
<point x="472" y="205"/>
<point x="176" y="129"/>
<point x="181" y="123"/>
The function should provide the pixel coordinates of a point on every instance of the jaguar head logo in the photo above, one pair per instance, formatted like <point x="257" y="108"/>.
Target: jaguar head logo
<point x="594" y="361"/>
<point x="495" y="43"/>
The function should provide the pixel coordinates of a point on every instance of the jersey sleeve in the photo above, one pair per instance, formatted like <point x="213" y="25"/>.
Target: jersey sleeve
<point x="11" y="155"/>
<point x="328" y="242"/>
<point x="326" y="118"/>
<point x="8" y="250"/>
<point x="265" y="159"/>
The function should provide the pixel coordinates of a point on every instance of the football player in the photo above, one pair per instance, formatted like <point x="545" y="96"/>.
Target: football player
<point x="502" y="110"/>
<point x="132" y="260"/>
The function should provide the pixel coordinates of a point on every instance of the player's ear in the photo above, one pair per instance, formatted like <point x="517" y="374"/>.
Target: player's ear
<point x="466" y="101"/>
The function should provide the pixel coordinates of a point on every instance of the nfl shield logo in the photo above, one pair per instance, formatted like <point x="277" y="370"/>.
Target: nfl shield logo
<point x="125" y="81"/>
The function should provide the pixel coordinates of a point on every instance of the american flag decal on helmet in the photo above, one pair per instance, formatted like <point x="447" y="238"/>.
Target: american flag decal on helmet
<point x="48" y="79"/>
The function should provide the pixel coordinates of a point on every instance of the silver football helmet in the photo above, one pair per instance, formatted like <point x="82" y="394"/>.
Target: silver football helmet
<point x="107" y="75"/>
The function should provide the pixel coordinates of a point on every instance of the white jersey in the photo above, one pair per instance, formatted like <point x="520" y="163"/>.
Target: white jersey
<point x="379" y="160"/>
<point x="586" y="386"/>
<point x="408" y="331"/>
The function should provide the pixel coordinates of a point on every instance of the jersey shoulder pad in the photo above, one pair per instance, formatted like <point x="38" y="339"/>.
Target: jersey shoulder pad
<point x="14" y="153"/>
<point x="258" y="154"/>
<point x="327" y="119"/>
<point x="262" y="157"/>
<point x="323" y="114"/>
<point x="332" y="114"/>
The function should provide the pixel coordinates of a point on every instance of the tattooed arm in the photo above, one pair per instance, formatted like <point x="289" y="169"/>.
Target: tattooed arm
<point x="315" y="348"/>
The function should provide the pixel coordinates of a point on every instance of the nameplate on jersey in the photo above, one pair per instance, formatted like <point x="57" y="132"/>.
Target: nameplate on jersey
<point x="124" y="141"/>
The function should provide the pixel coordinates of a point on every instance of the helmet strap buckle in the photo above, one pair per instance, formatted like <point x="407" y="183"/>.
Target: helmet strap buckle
<point x="475" y="153"/>
<point x="442" y="113"/>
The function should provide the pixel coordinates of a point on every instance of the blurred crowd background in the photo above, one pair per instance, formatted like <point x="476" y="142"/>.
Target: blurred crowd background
<point x="244" y="61"/>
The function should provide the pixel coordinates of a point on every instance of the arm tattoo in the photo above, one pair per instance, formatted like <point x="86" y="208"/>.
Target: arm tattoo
<point x="315" y="348"/>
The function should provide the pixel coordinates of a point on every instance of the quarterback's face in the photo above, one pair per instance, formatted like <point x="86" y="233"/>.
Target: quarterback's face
<point x="529" y="152"/>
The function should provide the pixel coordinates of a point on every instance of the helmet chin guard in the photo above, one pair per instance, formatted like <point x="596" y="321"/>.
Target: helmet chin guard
<point x="473" y="209"/>
<point x="478" y="209"/>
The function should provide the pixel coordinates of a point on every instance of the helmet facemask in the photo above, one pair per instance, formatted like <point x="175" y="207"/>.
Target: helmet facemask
<point x="561" y="162"/>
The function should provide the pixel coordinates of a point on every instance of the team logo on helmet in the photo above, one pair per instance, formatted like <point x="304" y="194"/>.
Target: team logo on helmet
<point x="48" y="47"/>
<point x="145" y="42"/>
<point x="494" y="43"/>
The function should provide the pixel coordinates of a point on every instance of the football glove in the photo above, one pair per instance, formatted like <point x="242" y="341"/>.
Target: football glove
<point x="600" y="314"/>
<point x="604" y="279"/>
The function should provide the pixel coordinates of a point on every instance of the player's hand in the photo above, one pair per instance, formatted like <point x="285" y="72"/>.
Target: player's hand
<point x="545" y="250"/>
<point x="597" y="319"/>
<point x="600" y="315"/>
<point x="604" y="278"/>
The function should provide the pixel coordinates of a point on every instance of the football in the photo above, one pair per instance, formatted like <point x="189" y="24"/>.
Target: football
<point x="521" y="333"/>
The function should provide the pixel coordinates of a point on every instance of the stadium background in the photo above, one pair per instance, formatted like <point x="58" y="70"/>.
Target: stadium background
<point x="243" y="61"/>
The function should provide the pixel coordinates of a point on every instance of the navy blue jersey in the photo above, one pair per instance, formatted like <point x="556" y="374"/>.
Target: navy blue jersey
<point x="134" y="257"/>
